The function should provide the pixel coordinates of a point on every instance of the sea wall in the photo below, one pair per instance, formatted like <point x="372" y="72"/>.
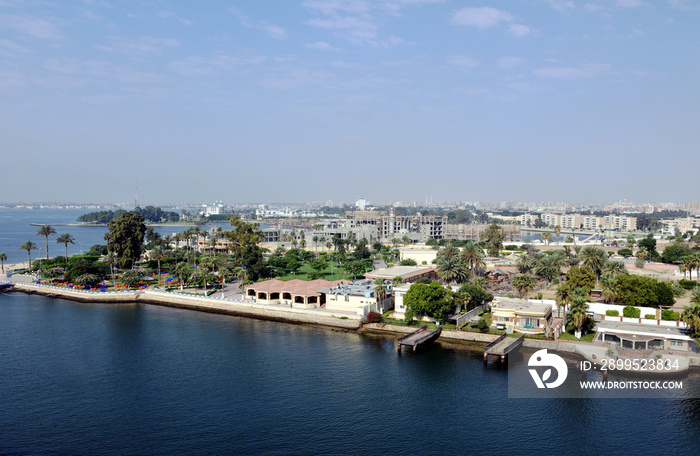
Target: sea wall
<point x="201" y="303"/>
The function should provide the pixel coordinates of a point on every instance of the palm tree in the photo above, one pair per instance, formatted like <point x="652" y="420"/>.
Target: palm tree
<point x="28" y="246"/>
<point x="380" y="292"/>
<point x="450" y="268"/>
<point x="594" y="258"/>
<point x="65" y="239"/>
<point x="548" y="267"/>
<point x="547" y="238"/>
<point x="612" y="269"/>
<point x="523" y="283"/>
<point x="691" y="317"/>
<point x="562" y="298"/>
<point x="610" y="289"/>
<point x="111" y="258"/>
<point x="315" y="239"/>
<point x="46" y="231"/>
<point x="158" y="254"/>
<point x="525" y="263"/>
<point x="322" y="240"/>
<point x="180" y="269"/>
<point x="473" y="258"/>
<point x="578" y="311"/>
<point x="557" y="230"/>
<point x="3" y="258"/>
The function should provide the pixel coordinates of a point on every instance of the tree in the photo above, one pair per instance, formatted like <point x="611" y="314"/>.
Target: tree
<point x="110" y="258"/>
<point x="524" y="283"/>
<point x="493" y="237"/>
<point x="578" y="314"/>
<point x="526" y="263"/>
<point x="557" y="230"/>
<point x="594" y="258"/>
<point x="612" y="269"/>
<point x="28" y="246"/>
<point x="649" y="244"/>
<point x="3" y="258"/>
<point x="548" y="267"/>
<point x="182" y="269"/>
<point x="46" y="231"/>
<point x="315" y="239"/>
<point x="547" y="238"/>
<point x="581" y="277"/>
<point x="675" y="252"/>
<point x="450" y="267"/>
<point x="65" y="239"/>
<point x="380" y="292"/>
<point x="691" y="317"/>
<point x="432" y="300"/>
<point x="473" y="258"/>
<point x="126" y="238"/>
<point x="563" y="297"/>
<point x="473" y="295"/>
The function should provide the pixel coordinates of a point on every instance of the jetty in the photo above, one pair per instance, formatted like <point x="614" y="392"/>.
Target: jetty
<point x="502" y="346"/>
<point x="419" y="337"/>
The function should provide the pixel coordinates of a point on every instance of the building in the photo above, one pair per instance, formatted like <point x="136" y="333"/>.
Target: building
<point x="630" y="336"/>
<point x="212" y="209"/>
<point x="472" y="232"/>
<point x="389" y="226"/>
<point x="420" y="256"/>
<point x="680" y="225"/>
<point x="356" y="297"/>
<point x="292" y="293"/>
<point x="409" y="274"/>
<point x="521" y="315"/>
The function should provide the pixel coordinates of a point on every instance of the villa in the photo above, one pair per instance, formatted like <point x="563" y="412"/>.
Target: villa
<point x="521" y="315"/>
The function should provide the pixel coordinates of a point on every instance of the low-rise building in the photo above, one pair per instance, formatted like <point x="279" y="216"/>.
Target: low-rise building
<point x="630" y="336"/>
<point x="356" y="297"/>
<point x="292" y="293"/>
<point x="409" y="274"/>
<point x="521" y="315"/>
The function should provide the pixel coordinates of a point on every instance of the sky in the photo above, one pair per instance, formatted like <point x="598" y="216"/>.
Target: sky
<point x="314" y="100"/>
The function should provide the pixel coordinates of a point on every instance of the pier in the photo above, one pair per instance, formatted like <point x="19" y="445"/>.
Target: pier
<point x="419" y="337"/>
<point x="502" y="346"/>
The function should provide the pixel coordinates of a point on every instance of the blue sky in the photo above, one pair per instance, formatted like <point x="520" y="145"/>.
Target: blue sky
<point x="299" y="100"/>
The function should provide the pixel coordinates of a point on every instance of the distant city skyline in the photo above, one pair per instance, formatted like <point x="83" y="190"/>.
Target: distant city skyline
<point x="578" y="101"/>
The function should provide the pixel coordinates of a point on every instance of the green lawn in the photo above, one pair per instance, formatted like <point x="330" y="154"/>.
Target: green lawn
<point x="569" y="335"/>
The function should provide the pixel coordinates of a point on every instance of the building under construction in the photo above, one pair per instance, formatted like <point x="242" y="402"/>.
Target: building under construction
<point x="389" y="226"/>
<point x="472" y="232"/>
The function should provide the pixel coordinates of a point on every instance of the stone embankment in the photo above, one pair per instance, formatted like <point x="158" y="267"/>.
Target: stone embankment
<point x="201" y="303"/>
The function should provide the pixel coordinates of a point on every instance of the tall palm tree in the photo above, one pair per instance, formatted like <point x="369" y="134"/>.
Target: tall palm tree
<point x="557" y="230"/>
<point x="111" y="258"/>
<point x="578" y="312"/>
<point x="450" y="267"/>
<point x="315" y="239"/>
<point x="3" y="258"/>
<point x="523" y="283"/>
<point x="46" y="231"/>
<point x="594" y="258"/>
<point x="65" y="239"/>
<point x="548" y="267"/>
<point x="526" y="263"/>
<point x="691" y="317"/>
<point x="473" y="257"/>
<point x="563" y="297"/>
<point x="612" y="269"/>
<point x="158" y="254"/>
<point x="380" y="292"/>
<point x="181" y="269"/>
<point x="28" y="246"/>
<point x="322" y="240"/>
<point x="547" y="238"/>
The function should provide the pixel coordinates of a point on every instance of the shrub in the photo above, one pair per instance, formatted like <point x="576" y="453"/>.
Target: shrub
<point x="511" y="247"/>
<point x="670" y="315"/>
<point x="650" y="316"/>
<point x="374" y="317"/>
<point x="625" y="252"/>
<point x="612" y="313"/>
<point x="688" y="284"/>
<point x="631" y="312"/>
<point x="482" y="325"/>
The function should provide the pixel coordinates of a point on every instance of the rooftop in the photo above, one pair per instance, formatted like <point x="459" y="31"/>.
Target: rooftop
<point x="520" y="305"/>
<point x="357" y="288"/>
<point x="399" y="271"/>
<point x="295" y="287"/>
<point x="669" y="332"/>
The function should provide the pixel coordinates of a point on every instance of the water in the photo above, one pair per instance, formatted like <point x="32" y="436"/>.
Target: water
<point x="139" y="379"/>
<point x="15" y="229"/>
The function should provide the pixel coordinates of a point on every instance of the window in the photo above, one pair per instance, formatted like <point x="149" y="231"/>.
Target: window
<point x="530" y="323"/>
<point x="503" y="318"/>
<point x="676" y="343"/>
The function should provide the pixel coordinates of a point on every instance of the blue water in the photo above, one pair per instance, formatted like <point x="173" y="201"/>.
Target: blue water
<point x="15" y="229"/>
<point x="139" y="379"/>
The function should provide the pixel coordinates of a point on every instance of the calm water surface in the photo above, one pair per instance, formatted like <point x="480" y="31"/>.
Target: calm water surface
<point x="138" y="379"/>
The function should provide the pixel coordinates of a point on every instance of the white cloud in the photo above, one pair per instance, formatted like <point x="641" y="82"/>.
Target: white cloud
<point x="358" y="21"/>
<point x="32" y="26"/>
<point x="481" y="18"/>
<point x="630" y="3"/>
<point x="508" y="63"/>
<point x="139" y="47"/>
<point x="13" y="46"/>
<point x="463" y="61"/>
<point x="519" y="30"/>
<point x="275" y="31"/>
<point x="582" y="71"/>
<point x="321" y="46"/>
<point x="685" y="4"/>
<point x="562" y="6"/>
